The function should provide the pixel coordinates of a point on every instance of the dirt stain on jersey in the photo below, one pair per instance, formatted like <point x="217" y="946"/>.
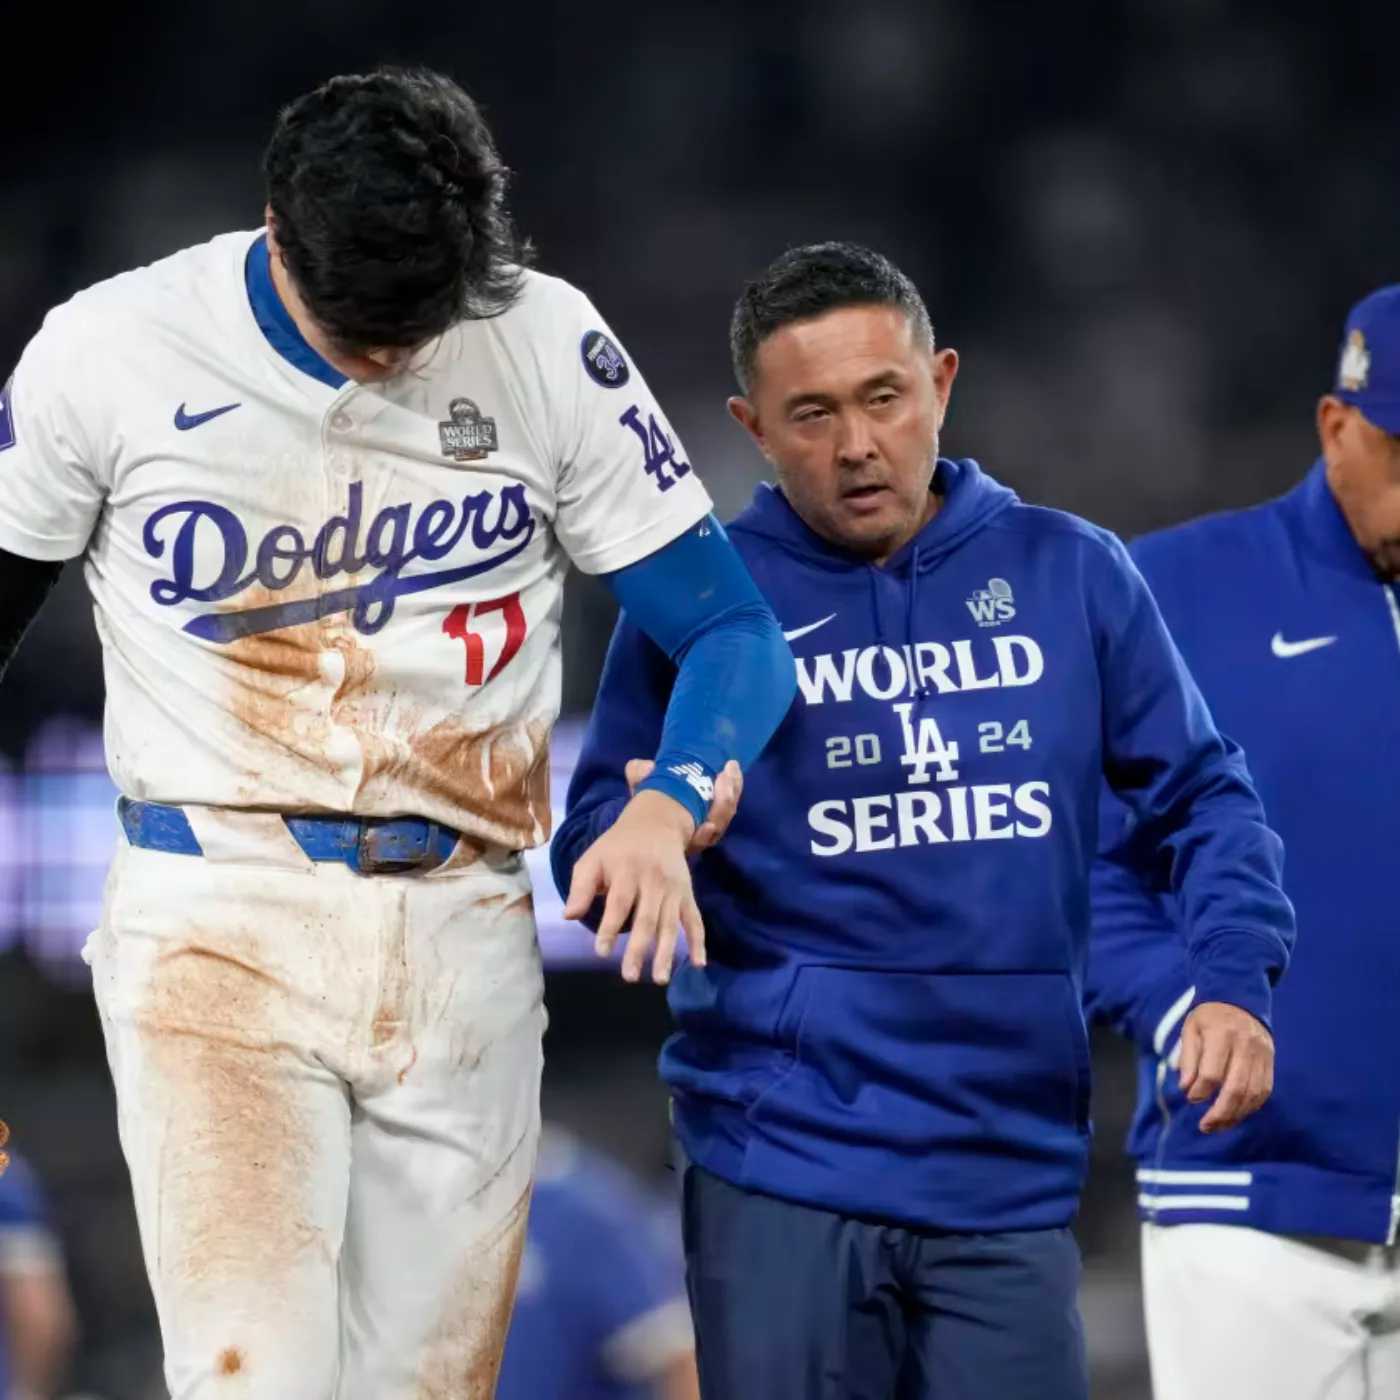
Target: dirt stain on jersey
<point x="312" y="695"/>
<point x="467" y="852"/>
<point x="502" y="773"/>
<point x="281" y="690"/>
<point x="463" y="1356"/>
<point x="521" y="907"/>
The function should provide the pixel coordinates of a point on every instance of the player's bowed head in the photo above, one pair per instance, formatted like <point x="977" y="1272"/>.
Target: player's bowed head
<point x="386" y="217"/>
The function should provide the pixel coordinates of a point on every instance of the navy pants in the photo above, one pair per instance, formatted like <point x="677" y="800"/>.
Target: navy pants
<point x="794" y="1303"/>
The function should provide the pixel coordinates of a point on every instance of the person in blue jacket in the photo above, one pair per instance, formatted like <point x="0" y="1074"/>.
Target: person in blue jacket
<point x="600" y="1306"/>
<point x="37" y="1319"/>
<point x="1270" y="1265"/>
<point x="880" y="1077"/>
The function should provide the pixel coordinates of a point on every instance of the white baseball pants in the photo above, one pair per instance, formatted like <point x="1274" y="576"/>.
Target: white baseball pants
<point x="328" y="1097"/>
<point x="1237" y="1314"/>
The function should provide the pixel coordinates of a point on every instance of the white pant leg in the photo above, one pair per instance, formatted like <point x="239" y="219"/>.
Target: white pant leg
<point x="221" y="988"/>
<point x="1383" y="1355"/>
<point x="1237" y="1314"/>
<point x="1383" y="1367"/>
<point x="445" y="1130"/>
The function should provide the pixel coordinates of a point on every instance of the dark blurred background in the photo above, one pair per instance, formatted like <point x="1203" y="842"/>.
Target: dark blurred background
<point x="1140" y="221"/>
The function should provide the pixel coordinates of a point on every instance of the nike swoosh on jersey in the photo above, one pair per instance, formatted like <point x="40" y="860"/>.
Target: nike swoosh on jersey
<point x="185" y="421"/>
<point x="1286" y="649"/>
<point x="802" y="631"/>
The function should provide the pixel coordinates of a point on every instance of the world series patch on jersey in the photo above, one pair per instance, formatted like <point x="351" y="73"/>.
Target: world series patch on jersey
<point x="322" y="598"/>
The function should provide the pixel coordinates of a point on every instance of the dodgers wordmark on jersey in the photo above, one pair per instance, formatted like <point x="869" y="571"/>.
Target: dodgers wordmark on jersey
<point x="332" y="597"/>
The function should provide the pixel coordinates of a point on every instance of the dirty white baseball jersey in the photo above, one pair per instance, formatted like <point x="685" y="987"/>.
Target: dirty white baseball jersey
<point x="332" y="599"/>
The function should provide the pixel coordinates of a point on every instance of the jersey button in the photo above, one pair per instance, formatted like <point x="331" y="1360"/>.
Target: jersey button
<point x="342" y="422"/>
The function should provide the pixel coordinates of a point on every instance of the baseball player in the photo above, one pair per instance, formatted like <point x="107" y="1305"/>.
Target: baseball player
<point x="327" y="478"/>
<point x="1271" y="1256"/>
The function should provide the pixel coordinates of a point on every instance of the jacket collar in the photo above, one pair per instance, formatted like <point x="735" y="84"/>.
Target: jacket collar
<point x="1322" y="525"/>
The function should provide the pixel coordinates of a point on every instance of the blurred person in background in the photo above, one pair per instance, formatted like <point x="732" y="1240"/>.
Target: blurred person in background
<point x="329" y="589"/>
<point x="1269" y="1254"/>
<point x="881" y="1074"/>
<point x="37" y="1320"/>
<point x="600" y="1307"/>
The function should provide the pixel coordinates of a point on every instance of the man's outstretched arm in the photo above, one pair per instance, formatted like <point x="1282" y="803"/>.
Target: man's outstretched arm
<point x="734" y="682"/>
<point x="1199" y="825"/>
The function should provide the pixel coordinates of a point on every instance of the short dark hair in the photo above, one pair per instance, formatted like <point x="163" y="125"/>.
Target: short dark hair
<point x="810" y="281"/>
<point x="388" y="204"/>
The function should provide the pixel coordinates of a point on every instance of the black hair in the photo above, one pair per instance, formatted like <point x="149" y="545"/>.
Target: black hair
<point x="810" y="281"/>
<point x="387" y="200"/>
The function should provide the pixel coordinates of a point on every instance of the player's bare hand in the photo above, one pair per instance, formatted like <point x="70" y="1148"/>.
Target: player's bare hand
<point x="1227" y="1056"/>
<point x="729" y="788"/>
<point x="639" y="864"/>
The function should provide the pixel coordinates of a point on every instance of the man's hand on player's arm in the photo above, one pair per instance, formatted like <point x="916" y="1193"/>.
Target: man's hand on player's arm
<point x="639" y="864"/>
<point x="1227" y="1055"/>
<point x="729" y="788"/>
<point x="734" y="682"/>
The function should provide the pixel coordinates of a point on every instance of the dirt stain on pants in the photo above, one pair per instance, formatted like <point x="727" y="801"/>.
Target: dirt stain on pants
<point x="463" y="1358"/>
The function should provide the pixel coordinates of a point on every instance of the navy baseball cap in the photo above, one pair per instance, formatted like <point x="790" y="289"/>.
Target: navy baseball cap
<point x="1368" y="369"/>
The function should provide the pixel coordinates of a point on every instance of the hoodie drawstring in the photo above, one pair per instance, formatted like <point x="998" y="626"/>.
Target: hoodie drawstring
<point x="922" y="693"/>
<point x="918" y="687"/>
<point x="873" y="575"/>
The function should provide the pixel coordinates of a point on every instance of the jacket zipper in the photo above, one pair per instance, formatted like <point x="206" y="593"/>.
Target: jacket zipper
<point x="1162" y="1046"/>
<point x="1394" y="1231"/>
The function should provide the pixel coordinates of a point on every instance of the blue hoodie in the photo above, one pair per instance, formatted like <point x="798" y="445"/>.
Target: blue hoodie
<point x="1296" y="644"/>
<point x="890" y="1024"/>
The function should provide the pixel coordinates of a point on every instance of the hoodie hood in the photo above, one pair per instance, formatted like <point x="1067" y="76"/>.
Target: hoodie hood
<point x="971" y="500"/>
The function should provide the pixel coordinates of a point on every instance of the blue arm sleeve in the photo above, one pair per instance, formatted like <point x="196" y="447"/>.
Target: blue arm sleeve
<point x="735" y="674"/>
<point x="1196" y="815"/>
<point x="1139" y="977"/>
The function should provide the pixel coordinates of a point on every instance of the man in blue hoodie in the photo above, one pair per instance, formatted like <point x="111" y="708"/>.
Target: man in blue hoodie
<point x="1270" y="1264"/>
<point x="881" y="1076"/>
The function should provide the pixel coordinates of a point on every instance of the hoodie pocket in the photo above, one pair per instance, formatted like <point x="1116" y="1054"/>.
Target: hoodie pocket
<point x="927" y="1062"/>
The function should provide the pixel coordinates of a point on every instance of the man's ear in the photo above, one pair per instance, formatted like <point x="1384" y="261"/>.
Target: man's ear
<point x="1331" y="423"/>
<point x="945" y="370"/>
<point x="744" y="413"/>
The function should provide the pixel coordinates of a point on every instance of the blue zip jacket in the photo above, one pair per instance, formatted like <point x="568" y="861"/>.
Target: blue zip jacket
<point x="890" y="1023"/>
<point x="1296" y="646"/>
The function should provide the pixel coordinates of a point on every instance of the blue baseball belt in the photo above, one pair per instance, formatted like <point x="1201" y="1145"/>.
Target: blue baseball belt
<point x="368" y="845"/>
